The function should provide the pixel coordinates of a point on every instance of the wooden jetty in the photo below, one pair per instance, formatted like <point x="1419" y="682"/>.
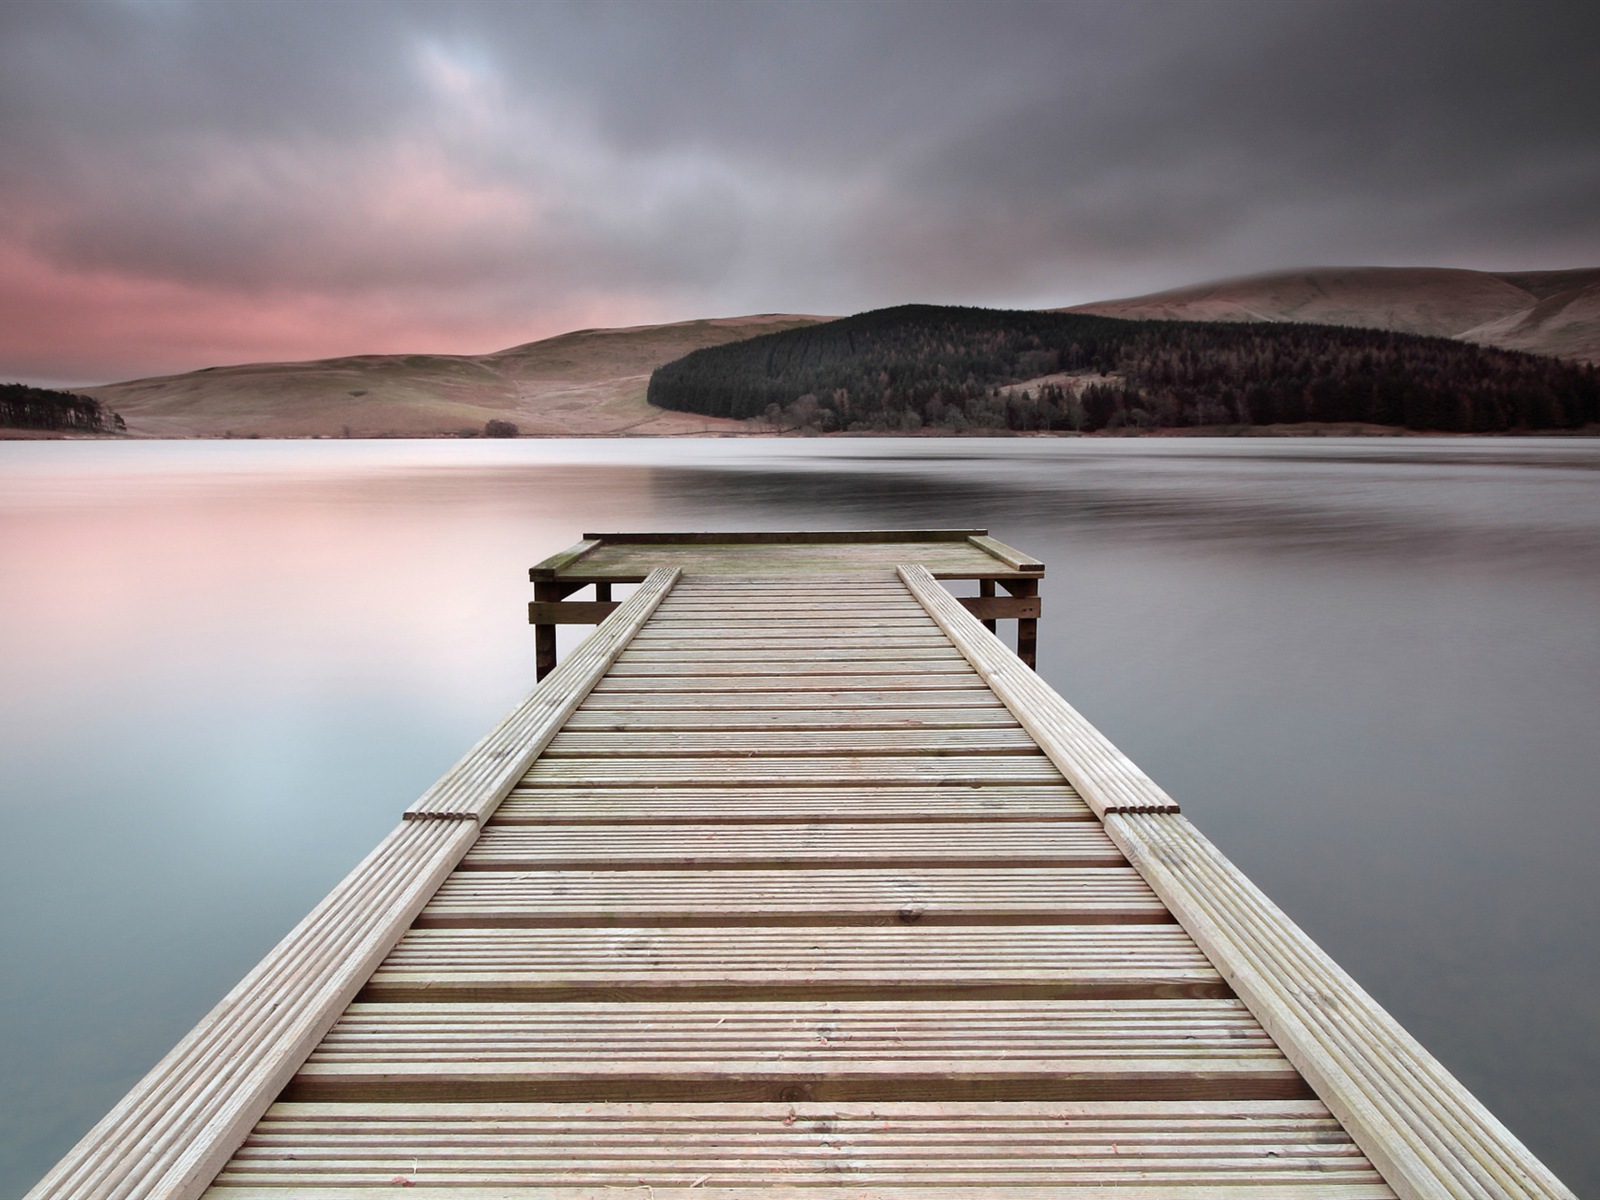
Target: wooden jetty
<point x="793" y="878"/>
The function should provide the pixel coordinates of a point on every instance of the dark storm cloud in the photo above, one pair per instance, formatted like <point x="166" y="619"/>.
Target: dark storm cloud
<point x="483" y="172"/>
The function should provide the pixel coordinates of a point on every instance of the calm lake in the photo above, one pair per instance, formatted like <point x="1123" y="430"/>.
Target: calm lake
<point x="1369" y="670"/>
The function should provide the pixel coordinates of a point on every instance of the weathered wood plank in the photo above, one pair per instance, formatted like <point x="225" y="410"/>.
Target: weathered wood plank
<point x="1083" y="1150"/>
<point x="878" y="844"/>
<point x="1428" y="1135"/>
<point x="847" y="1050"/>
<point x="689" y="804"/>
<point x="939" y="771"/>
<point x="778" y="962"/>
<point x="719" y="658"/>
<point x="788" y="743"/>
<point x="1106" y="778"/>
<point x="471" y="789"/>
<point x="178" y="1125"/>
<point x="1003" y="553"/>
<point x="591" y="718"/>
<point x="1001" y="608"/>
<point x="728" y="896"/>
<point x="570" y="612"/>
<point x="556" y="563"/>
<point x="947" y="697"/>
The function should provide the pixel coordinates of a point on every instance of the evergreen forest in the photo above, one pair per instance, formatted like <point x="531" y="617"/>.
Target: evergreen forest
<point x="904" y="369"/>
<point x="24" y="407"/>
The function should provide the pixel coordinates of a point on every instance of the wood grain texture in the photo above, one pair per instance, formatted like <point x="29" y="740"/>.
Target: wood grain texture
<point x="533" y="897"/>
<point x="951" y="962"/>
<point x="1028" y="1050"/>
<point x="1105" y="777"/>
<point x="175" y="1129"/>
<point x="1155" y="1150"/>
<point x="877" y="845"/>
<point x="690" y="804"/>
<point x="472" y="788"/>
<point x="1428" y="1135"/>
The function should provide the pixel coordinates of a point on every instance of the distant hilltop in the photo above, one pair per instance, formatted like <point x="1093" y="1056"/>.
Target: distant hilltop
<point x="1556" y="313"/>
<point x="593" y="382"/>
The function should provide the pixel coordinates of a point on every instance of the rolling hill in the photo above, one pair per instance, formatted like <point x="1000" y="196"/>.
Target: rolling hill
<point x="588" y="383"/>
<point x="593" y="382"/>
<point x="1543" y="312"/>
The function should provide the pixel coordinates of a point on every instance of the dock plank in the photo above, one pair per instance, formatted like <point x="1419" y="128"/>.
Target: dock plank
<point x="535" y="805"/>
<point x="879" y="845"/>
<point x="1153" y="1150"/>
<point x="815" y="896"/>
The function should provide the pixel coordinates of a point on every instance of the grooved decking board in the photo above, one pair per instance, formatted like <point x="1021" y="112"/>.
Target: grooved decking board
<point x="776" y="699"/>
<point x="924" y="895"/>
<point x="735" y="805"/>
<point x="948" y="961"/>
<point x="719" y="653"/>
<point x="935" y="770"/>
<point x="861" y="681"/>
<point x="633" y="720"/>
<point x="845" y="1050"/>
<point x="879" y="845"/>
<point x="738" y="638"/>
<point x="788" y="743"/>
<point x="1151" y="1150"/>
<point x="695" y="665"/>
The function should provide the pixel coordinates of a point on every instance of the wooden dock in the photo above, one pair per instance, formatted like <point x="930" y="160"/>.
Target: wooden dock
<point x="793" y="876"/>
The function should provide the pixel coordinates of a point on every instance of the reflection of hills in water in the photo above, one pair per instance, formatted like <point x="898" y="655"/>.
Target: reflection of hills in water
<point x="1542" y="312"/>
<point x="1353" y="499"/>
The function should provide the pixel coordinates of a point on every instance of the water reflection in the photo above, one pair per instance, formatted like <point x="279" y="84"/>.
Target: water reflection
<point x="1368" y="670"/>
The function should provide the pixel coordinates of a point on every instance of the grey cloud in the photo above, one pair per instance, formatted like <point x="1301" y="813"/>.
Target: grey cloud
<point x="717" y="156"/>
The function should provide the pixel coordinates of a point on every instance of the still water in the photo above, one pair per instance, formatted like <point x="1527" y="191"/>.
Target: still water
<point x="1369" y="670"/>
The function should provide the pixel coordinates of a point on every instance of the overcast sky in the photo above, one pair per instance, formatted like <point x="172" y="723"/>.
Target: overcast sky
<point x="184" y="184"/>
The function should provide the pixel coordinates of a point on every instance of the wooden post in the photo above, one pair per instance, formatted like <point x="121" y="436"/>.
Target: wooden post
<point x="544" y="636"/>
<point x="986" y="589"/>
<point x="602" y="591"/>
<point x="1027" y="627"/>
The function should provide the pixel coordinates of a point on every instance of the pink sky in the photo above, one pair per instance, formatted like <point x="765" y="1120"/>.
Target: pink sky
<point x="187" y="185"/>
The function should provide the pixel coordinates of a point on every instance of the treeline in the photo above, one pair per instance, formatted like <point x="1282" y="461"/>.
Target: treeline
<point x="24" y="407"/>
<point x="901" y="369"/>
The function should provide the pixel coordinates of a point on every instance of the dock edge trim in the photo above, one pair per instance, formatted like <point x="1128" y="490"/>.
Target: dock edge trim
<point x="1107" y="779"/>
<point x="174" y="1130"/>
<point x="475" y="786"/>
<point x="1429" y="1137"/>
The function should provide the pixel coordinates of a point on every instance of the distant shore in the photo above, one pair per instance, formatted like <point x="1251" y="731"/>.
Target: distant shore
<point x="1303" y="430"/>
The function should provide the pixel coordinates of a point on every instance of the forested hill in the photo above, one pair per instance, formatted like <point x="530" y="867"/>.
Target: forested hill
<point x="899" y="369"/>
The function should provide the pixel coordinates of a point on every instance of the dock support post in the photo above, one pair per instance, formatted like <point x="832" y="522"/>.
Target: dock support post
<point x="986" y="590"/>
<point x="544" y="635"/>
<point x="1027" y="627"/>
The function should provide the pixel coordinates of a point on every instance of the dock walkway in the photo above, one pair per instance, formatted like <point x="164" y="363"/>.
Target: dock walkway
<point x="793" y="876"/>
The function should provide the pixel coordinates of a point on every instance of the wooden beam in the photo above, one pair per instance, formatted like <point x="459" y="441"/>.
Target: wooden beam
<point x="558" y="562"/>
<point x="1003" y="608"/>
<point x="763" y="538"/>
<point x="1012" y="557"/>
<point x="1104" y="776"/>
<point x="570" y="612"/>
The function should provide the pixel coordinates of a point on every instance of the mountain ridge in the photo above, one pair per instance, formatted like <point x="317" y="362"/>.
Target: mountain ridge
<point x="1555" y="313"/>
<point x="592" y="382"/>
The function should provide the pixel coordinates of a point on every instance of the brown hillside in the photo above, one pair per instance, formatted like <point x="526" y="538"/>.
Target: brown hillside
<point x="591" y="382"/>
<point x="1545" y="312"/>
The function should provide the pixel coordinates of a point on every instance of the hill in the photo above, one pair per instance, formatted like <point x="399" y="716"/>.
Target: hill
<point x="1542" y="312"/>
<point x="901" y="369"/>
<point x="591" y="382"/>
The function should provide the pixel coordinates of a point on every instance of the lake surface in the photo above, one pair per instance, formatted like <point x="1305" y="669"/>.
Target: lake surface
<point x="1369" y="670"/>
